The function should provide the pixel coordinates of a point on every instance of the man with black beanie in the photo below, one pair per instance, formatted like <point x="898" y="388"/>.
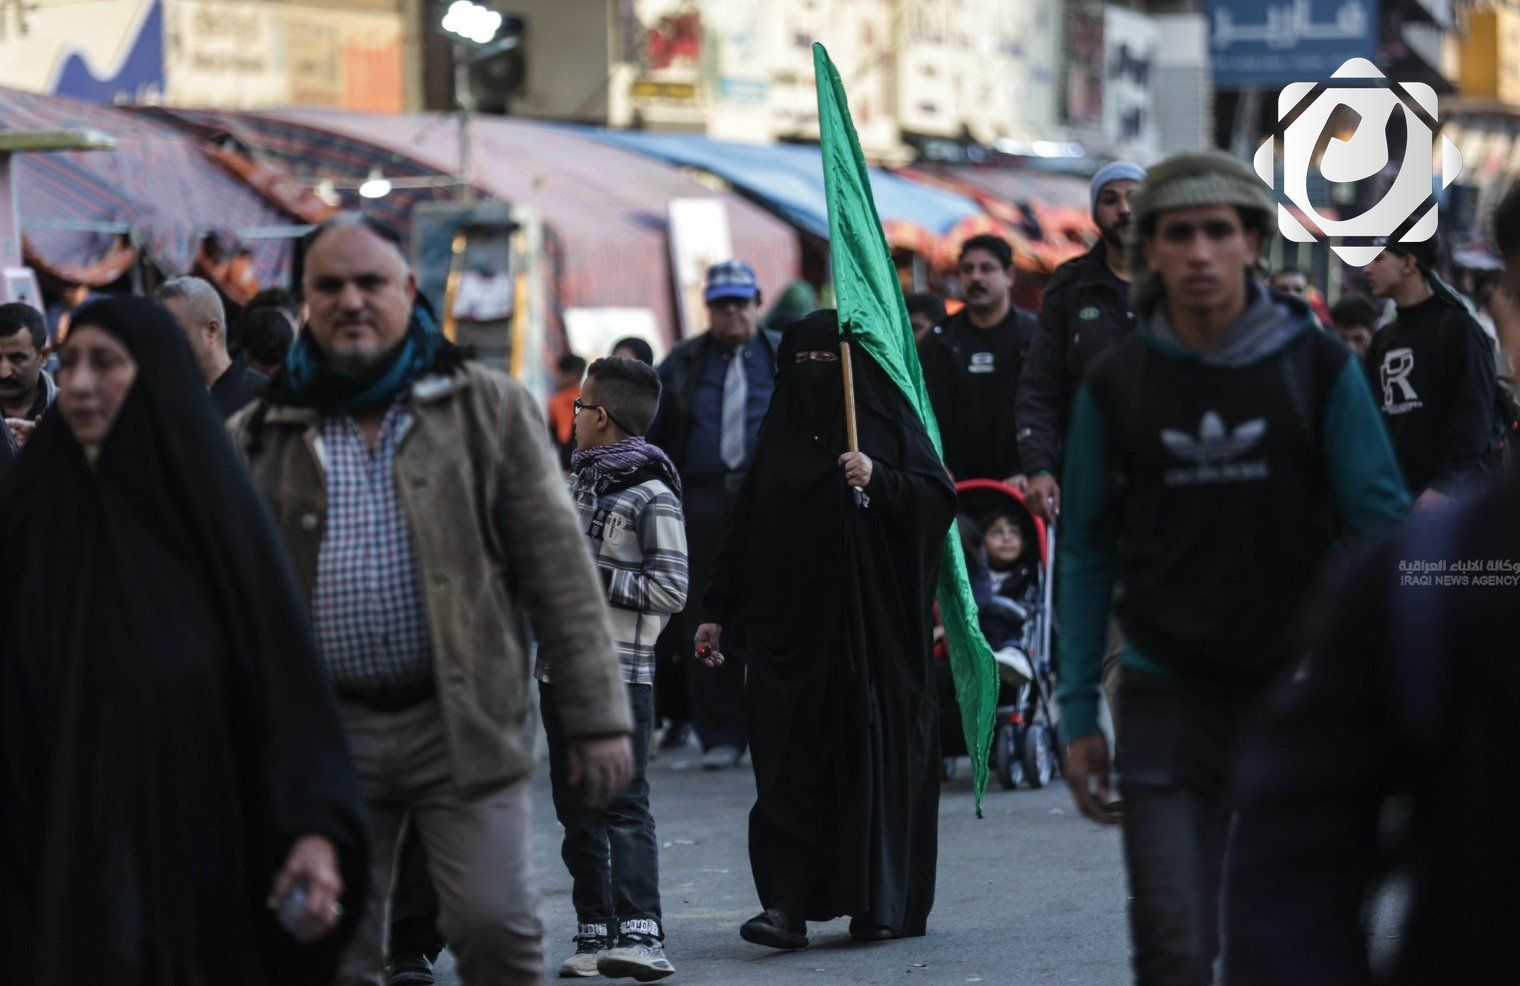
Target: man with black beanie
<point x="1432" y="372"/>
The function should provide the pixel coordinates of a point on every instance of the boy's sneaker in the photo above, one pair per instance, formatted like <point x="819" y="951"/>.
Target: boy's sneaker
<point x="591" y="942"/>
<point x="640" y="954"/>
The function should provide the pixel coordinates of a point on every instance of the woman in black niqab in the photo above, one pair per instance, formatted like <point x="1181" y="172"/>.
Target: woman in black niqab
<point x="166" y="731"/>
<point x="835" y="605"/>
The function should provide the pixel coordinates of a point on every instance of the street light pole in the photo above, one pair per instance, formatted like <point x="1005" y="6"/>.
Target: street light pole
<point x="464" y="100"/>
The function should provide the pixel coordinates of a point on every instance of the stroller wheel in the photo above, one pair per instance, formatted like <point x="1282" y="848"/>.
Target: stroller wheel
<point x="1006" y="763"/>
<point x="947" y="769"/>
<point x="1039" y="756"/>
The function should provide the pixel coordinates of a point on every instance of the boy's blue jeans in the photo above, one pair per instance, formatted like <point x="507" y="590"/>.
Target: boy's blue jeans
<point x="611" y="853"/>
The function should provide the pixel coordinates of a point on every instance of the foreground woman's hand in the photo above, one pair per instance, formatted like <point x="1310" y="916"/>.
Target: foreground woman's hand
<point x="857" y="469"/>
<point x="706" y="644"/>
<point x="312" y="861"/>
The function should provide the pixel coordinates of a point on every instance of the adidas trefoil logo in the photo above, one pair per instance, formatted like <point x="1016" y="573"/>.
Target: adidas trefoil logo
<point x="1214" y="442"/>
<point x="1214" y="450"/>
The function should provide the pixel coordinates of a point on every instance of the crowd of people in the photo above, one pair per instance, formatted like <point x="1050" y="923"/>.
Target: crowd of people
<point x="302" y="593"/>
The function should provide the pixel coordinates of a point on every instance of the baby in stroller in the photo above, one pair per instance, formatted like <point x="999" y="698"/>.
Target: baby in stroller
<point x="1005" y="585"/>
<point x="1003" y="547"/>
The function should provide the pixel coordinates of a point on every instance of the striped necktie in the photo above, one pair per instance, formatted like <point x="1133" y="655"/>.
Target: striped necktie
<point x="735" y="395"/>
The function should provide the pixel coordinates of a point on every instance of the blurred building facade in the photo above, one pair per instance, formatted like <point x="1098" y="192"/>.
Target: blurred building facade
<point x="951" y="80"/>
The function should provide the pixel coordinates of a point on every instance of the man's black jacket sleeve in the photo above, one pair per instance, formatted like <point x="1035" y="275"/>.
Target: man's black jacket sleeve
<point x="1045" y="396"/>
<point x="1470" y="429"/>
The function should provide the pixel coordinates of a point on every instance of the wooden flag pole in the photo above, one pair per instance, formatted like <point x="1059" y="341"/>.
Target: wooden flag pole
<point x="851" y="435"/>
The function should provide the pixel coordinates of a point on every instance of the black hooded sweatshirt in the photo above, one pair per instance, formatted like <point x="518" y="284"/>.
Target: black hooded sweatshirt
<point x="166" y="729"/>
<point x="1432" y="375"/>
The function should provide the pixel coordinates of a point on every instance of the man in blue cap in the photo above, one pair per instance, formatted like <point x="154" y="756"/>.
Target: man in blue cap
<point x="1087" y="308"/>
<point x="715" y="389"/>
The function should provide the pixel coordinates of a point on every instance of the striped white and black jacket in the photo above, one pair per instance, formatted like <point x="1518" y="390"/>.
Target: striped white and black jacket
<point x="637" y="535"/>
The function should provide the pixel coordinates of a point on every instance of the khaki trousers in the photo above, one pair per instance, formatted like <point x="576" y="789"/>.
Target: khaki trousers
<point x="477" y="851"/>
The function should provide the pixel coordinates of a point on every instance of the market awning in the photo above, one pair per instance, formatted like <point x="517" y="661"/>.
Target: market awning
<point x="605" y="208"/>
<point x="158" y="185"/>
<point x="788" y="179"/>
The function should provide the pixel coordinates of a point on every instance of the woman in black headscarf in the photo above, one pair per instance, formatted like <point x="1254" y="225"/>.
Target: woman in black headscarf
<point x="835" y="604"/>
<point x="171" y="763"/>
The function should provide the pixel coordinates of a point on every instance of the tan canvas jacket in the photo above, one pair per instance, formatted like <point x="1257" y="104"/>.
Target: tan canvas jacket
<point x="498" y="545"/>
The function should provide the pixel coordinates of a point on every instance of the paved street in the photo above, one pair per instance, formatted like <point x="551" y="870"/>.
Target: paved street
<point x="1031" y="894"/>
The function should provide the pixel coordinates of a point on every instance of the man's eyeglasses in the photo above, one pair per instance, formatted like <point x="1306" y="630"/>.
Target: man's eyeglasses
<point x="579" y="407"/>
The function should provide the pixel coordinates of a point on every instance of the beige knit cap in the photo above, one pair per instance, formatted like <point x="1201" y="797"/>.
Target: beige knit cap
<point x="1186" y="181"/>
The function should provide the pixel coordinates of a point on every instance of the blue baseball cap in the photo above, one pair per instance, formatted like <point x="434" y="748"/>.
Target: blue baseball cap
<point x="731" y="279"/>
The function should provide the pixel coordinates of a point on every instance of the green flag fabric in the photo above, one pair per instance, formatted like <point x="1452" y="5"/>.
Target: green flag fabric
<point x="873" y="315"/>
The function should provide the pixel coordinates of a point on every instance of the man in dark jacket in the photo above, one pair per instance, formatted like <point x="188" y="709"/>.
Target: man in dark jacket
<point x="198" y="309"/>
<point x="1215" y="455"/>
<point x="1086" y="309"/>
<point x="972" y="363"/>
<point x="715" y="388"/>
<point x="1408" y="693"/>
<point x="1411" y="671"/>
<point x="1432" y="370"/>
<point x="26" y="390"/>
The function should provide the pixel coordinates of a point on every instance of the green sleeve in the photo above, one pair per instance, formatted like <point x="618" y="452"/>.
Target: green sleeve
<point x="1369" y="490"/>
<point x="1085" y="563"/>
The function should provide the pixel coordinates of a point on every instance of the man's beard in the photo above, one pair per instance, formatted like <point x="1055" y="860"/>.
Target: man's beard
<point x="1114" y="235"/>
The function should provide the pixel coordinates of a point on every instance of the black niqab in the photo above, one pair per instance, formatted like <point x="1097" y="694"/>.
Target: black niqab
<point x="166" y="730"/>
<point x="835" y="606"/>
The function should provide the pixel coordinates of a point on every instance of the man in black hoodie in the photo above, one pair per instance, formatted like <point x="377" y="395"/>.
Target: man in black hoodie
<point x="1432" y="373"/>
<point x="972" y="363"/>
<point x="1215" y="455"/>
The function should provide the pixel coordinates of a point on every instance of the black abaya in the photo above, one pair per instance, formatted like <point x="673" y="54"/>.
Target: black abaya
<point x="166" y="730"/>
<point x="835" y="606"/>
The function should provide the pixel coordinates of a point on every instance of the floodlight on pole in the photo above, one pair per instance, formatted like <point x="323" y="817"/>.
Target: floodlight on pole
<point x="472" y="21"/>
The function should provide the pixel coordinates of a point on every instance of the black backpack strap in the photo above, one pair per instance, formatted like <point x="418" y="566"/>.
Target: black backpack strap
<point x="1311" y="367"/>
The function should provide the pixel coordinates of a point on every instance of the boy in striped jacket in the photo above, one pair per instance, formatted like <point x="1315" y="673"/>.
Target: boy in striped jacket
<point x="629" y="497"/>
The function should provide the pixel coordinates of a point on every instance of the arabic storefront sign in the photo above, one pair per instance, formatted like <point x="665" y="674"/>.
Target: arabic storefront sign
<point x="1275" y="42"/>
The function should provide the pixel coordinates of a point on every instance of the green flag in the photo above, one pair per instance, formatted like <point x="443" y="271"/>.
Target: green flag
<point x="872" y="315"/>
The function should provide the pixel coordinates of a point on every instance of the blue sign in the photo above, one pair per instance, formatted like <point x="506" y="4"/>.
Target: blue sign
<point x="1275" y="42"/>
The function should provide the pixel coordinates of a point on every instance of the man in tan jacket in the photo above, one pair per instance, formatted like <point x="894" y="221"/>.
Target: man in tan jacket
<point x="428" y="525"/>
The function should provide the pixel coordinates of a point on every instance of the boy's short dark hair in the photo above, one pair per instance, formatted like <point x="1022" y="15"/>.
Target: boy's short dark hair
<point x="995" y="245"/>
<point x="16" y="315"/>
<point x="1507" y="223"/>
<point x="926" y="303"/>
<point x="571" y="363"/>
<point x="1353" y="310"/>
<point x="263" y="334"/>
<point x="629" y="390"/>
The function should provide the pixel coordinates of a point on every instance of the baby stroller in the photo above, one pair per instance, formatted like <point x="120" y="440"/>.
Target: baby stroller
<point x="1026" y="745"/>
